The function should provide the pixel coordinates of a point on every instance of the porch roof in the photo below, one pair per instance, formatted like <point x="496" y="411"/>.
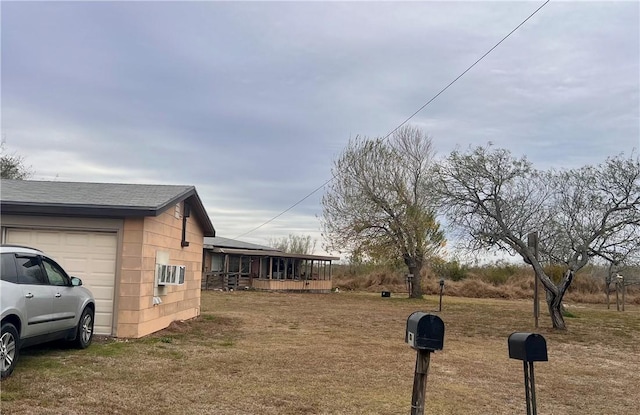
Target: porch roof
<point x="265" y="253"/>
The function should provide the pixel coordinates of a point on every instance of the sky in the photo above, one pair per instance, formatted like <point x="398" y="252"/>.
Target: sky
<point x="251" y="102"/>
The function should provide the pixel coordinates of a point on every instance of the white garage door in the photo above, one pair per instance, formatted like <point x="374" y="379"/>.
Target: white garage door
<point x="90" y="256"/>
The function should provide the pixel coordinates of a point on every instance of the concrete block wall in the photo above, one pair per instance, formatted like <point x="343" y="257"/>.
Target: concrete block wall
<point x="143" y="238"/>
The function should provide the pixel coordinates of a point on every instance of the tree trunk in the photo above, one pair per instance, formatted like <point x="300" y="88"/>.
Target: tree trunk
<point x="555" y="311"/>
<point x="554" y="301"/>
<point x="415" y="267"/>
<point x="416" y="287"/>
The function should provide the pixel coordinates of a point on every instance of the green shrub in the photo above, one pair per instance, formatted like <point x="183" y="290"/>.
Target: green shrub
<point x="499" y="273"/>
<point x="555" y="272"/>
<point x="451" y="270"/>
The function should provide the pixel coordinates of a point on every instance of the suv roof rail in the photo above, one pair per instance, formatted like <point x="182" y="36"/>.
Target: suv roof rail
<point x="20" y="246"/>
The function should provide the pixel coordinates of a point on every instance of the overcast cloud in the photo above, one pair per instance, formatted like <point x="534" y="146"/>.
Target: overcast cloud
<point x="251" y="102"/>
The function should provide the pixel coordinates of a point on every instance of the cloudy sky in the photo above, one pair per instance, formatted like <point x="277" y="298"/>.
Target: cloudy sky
<point x="251" y="102"/>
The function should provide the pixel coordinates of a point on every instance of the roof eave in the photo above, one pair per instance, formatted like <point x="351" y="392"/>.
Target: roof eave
<point x="277" y="254"/>
<point x="18" y="208"/>
<point x="201" y="214"/>
<point x="53" y="209"/>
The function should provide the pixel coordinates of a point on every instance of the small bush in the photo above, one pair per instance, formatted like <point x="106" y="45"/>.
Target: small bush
<point x="499" y="274"/>
<point x="555" y="272"/>
<point x="451" y="270"/>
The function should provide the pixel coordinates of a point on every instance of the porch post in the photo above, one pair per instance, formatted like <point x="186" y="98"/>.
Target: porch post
<point x="286" y="267"/>
<point x="278" y="268"/>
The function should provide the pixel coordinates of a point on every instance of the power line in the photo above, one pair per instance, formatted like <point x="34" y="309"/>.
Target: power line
<point x="406" y="120"/>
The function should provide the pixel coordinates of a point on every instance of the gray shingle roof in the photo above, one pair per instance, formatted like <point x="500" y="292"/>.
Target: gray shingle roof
<point x="145" y="196"/>
<point x="221" y="242"/>
<point x="222" y="245"/>
<point x="31" y="197"/>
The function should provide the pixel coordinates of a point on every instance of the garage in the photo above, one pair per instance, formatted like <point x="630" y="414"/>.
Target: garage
<point x="88" y="255"/>
<point x="115" y="237"/>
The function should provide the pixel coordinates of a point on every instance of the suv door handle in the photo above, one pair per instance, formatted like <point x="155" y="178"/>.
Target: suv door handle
<point x="58" y="295"/>
<point x="29" y="295"/>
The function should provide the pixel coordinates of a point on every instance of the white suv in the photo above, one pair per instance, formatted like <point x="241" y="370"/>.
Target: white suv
<point x="40" y="303"/>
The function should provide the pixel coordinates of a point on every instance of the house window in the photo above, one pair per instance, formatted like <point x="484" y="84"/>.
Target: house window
<point x="245" y="264"/>
<point x="217" y="263"/>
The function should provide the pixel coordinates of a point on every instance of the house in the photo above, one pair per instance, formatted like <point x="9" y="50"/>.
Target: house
<point x="231" y="264"/>
<point x="137" y="247"/>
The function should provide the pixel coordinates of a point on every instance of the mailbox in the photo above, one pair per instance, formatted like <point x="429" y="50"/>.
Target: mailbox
<point x="529" y="347"/>
<point x="386" y="294"/>
<point x="425" y="331"/>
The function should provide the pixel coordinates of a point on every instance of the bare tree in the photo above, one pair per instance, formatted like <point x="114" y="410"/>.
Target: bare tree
<point x="380" y="203"/>
<point x="496" y="200"/>
<point x="294" y="244"/>
<point x="12" y="165"/>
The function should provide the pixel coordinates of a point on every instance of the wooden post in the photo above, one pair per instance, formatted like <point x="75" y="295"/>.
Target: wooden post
<point x="286" y="268"/>
<point x="532" y="239"/>
<point x="420" y="382"/>
<point x="225" y="285"/>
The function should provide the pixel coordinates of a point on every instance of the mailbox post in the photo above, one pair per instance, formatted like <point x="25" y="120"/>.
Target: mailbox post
<point x="528" y="347"/>
<point x="409" y="284"/>
<point x="425" y="333"/>
<point x="441" y="289"/>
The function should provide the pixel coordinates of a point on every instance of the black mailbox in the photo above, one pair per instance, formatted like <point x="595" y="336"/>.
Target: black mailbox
<point x="529" y="347"/>
<point x="425" y="331"/>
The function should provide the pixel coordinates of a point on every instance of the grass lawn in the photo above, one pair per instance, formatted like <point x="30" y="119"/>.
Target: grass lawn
<point x="275" y="353"/>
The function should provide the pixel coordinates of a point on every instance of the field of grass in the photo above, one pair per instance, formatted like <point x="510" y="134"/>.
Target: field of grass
<point x="506" y="282"/>
<point x="276" y="353"/>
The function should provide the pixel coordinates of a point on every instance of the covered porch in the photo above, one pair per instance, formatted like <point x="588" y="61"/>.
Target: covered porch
<point x="263" y="268"/>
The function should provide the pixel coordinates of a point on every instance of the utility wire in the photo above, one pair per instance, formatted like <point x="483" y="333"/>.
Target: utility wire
<point x="405" y="121"/>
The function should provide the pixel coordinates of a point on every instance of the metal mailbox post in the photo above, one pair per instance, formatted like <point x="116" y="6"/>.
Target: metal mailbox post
<point x="528" y="347"/>
<point x="425" y="333"/>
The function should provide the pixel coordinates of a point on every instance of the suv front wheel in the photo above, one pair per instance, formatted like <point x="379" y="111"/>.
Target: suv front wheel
<point x="84" y="332"/>
<point x="8" y="349"/>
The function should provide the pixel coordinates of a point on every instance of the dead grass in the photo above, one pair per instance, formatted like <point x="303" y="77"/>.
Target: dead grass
<point x="271" y="353"/>
<point x="508" y="283"/>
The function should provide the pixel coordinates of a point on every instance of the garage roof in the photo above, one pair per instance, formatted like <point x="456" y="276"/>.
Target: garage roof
<point x="31" y="197"/>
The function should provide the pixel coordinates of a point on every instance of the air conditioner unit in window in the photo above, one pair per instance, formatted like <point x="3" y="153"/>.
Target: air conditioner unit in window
<point x="170" y="274"/>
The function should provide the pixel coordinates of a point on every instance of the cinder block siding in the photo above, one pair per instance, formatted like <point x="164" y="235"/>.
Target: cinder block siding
<point x="143" y="238"/>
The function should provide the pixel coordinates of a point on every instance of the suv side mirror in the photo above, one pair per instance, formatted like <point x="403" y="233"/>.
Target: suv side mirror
<point x="76" y="282"/>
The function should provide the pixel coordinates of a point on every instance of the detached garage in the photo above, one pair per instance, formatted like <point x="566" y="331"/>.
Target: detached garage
<point x="125" y="241"/>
